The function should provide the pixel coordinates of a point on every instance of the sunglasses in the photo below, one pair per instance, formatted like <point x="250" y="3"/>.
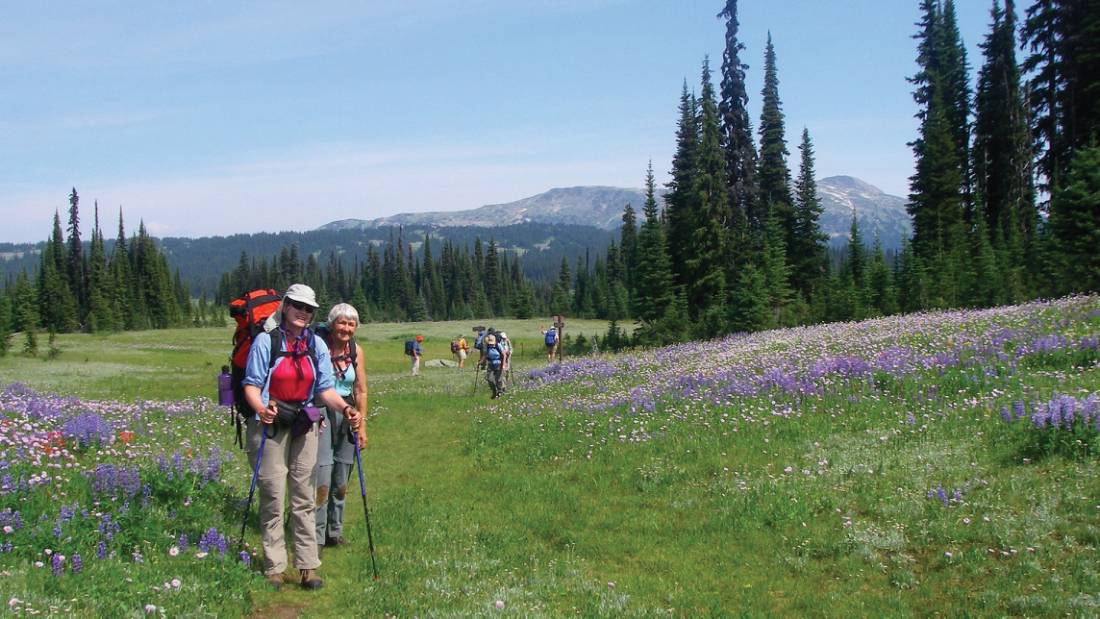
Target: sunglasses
<point x="302" y="307"/>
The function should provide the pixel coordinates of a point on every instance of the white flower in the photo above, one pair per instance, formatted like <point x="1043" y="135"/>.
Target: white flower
<point x="200" y="554"/>
<point x="150" y="609"/>
<point x="948" y="554"/>
<point x="174" y="551"/>
<point x="499" y="604"/>
<point x="176" y="584"/>
<point x="8" y="529"/>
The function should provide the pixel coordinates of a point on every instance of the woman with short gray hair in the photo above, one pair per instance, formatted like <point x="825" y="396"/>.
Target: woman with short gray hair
<point x="336" y="451"/>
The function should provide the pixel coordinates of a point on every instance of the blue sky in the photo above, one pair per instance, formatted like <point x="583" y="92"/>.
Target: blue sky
<point x="207" y="117"/>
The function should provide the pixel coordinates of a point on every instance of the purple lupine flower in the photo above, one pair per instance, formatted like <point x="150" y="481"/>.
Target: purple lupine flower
<point x="101" y="550"/>
<point x="941" y="494"/>
<point x="245" y="558"/>
<point x="1006" y="415"/>
<point x="183" y="542"/>
<point x="77" y="563"/>
<point x="55" y="563"/>
<point x="88" y="429"/>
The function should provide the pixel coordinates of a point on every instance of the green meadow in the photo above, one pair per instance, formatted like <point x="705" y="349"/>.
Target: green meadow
<point x="763" y="475"/>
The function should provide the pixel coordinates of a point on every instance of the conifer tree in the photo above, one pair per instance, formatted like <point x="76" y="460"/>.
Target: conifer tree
<point x="561" y="298"/>
<point x="1064" y="65"/>
<point x="77" y="278"/>
<point x="1075" y="224"/>
<point x="737" y="141"/>
<point x="709" y="261"/>
<point x="102" y="314"/>
<point x="24" y="308"/>
<point x="57" y="309"/>
<point x="856" y="269"/>
<point x="774" y="175"/>
<point x="628" y="249"/>
<point x="492" y="279"/>
<point x="1002" y="154"/>
<point x="809" y="262"/>
<point x="882" y="294"/>
<point x="679" y="195"/>
<point x="776" y="272"/>
<point x="654" y="293"/>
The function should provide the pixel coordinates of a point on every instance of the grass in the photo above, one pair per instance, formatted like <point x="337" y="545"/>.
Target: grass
<point x="767" y="504"/>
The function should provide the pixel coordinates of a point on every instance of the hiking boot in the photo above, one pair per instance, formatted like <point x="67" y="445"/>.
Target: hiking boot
<point x="275" y="580"/>
<point x="339" y="540"/>
<point x="310" y="580"/>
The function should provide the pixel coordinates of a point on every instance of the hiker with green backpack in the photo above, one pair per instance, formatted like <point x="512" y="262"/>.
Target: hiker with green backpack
<point x="336" y="449"/>
<point x="288" y="369"/>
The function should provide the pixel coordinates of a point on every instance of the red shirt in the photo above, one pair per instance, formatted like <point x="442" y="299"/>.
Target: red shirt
<point x="293" y="375"/>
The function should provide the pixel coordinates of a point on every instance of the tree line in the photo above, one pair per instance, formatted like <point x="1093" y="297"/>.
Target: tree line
<point x="93" y="291"/>
<point x="1005" y="198"/>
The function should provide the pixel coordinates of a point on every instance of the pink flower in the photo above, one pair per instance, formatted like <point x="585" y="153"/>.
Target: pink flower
<point x="499" y="604"/>
<point x="174" y="551"/>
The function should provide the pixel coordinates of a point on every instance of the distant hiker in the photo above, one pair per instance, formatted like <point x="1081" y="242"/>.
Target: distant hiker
<point x="492" y="360"/>
<point x="550" y="338"/>
<point x="414" y="350"/>
<point x="459" y="347"/>
<point x="335" y="449"/>
<point x="288" y="369"/>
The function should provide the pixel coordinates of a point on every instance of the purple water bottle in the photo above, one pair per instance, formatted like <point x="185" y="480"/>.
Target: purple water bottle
<point x="225" y="387"/>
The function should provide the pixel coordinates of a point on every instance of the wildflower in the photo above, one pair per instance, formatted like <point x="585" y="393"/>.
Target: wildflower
<point x="200" y="554"/>
<point x="174" y="551"/>
<point x="101" y="550"/>
<point x="245" y="558"/>
<point x="966" y="521"/>
<point x="77" y="563"/>
<point x="176" y="584"/>
<point x="948" y="554"/>
<point x="56" y="565"/>
<point x="8" y="529"/>
<point x="150" y="609"/>
<point x="499" y="604"/>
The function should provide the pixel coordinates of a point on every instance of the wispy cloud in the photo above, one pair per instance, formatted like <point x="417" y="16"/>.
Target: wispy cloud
<point x="304" y="190"/>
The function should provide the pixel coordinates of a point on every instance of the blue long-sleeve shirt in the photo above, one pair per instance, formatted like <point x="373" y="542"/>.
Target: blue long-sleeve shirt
<point x="258" y="374"/>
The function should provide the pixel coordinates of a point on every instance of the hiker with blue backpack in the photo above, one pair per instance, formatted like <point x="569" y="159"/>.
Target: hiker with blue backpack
<point x="337" y="441"/>
<point x="414" y="350"/>
<point x="550" y="338"/>
<point x="288" y="369"/>
<point x="492" y="360"/>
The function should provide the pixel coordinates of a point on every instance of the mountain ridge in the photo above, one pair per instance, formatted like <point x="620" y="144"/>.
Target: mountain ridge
<point x="879" y="214"/>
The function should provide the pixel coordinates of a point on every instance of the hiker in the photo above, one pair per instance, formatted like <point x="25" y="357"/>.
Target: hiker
<point x="288" y="368"/>
<point x="493" y="361"/>
<point x="505" y="345"/>
<point x="417" y="352"/>
<point x="335" y="449"/>
<point x="459" y="347"/>
<point x="550" y="337"/>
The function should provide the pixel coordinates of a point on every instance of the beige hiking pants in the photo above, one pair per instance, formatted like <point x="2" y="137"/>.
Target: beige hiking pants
<point x="287" y="464"/>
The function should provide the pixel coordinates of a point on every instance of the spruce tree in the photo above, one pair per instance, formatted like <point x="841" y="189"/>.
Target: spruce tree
<point x="678" y="198"/>
<point x="654" y="293"/>
<point x="561" y="298"/>
<point x="774" y="175"/>
<point x="628" y="249"/>
<point x="102" y="313"/>
<point x="709" y="262"/>
<point x="809" y="262"/>
<point x="737" y="141"/>
<point x="492" y="279"/>
<point x="57" y="308"/>
<point x="1002" y="153"/>
<point x="77" y="278"/>
<point x="1075" y="224"/>
<point x="882" y="295"/>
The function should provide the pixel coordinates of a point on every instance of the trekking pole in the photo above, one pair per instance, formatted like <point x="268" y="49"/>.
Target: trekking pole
<point x="477" y="370"/>
<point x="366" y="512"/>
<point x="252" y="486"/>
